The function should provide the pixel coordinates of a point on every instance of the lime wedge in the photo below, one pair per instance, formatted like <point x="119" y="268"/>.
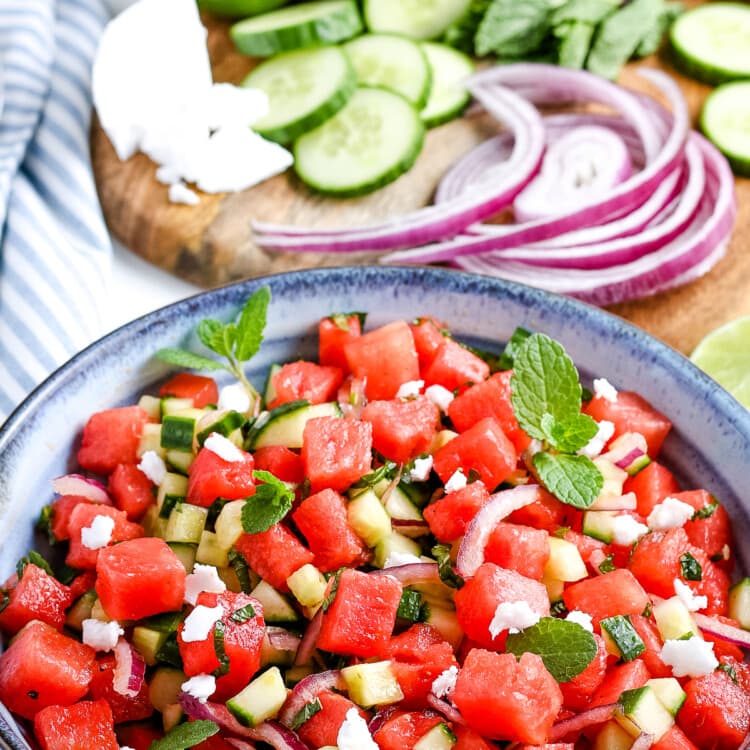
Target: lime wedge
<point x="725" y="355"/>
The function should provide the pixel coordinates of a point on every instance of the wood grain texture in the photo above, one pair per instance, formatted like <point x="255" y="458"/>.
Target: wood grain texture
<point x="212" y="243"/>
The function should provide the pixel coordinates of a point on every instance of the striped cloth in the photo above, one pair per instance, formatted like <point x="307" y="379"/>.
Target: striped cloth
<point x="55" y="251"/>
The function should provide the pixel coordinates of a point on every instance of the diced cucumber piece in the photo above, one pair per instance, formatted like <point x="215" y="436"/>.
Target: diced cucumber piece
<point x="260" y="700"/>
<point x="438" y="738"/>
<point x="151" y="405"/>
<point x="210" y="552"/>
<point x="612" y="737"/>
<point x="228" y="526"/>
<point x="614" y="479"/>
<point x="420" y="19"/>
<point x="673" y="619"/>
<point x="725" y="120"/>
<point x="186" y="523"/>
<point x="179" y="460"/>
<point x="185" y="554"/>
<point x="298" y="673"/>
<point x="148" y="642"/>
<point x="270" y="655"/>
<point x="153" y="524"/>
<point x="739" y="603"/>
<point x="369" y="518"/>
<point x="305" y="88"/>
<point x="223" y="424"/>
<point x="400" y="507"/>
<point x="442" y="439"/>
<point x="599" y="524"/>
<point x="391" y="62"/>
<point x="269" y="392"/>
<point x="710" y="42"/>
<point x="630" y="447"/>
<point x="372" y="684"/>
<point x="445" y="621"/>
<point x="174" y="485"/>
<point x="150" y="440"/>
<point x="80" y="610"/>
<point x="172" y="405"/>
<point x="308" y="585"/>
<point x="394" y="542"/>
<point x="178" y="431"/>
<point x="565" y="562"/>
<point x="276" y="607"/>
<point x="285" y="425"/>
<point x="165" y="687"/>
<point x="98" y="613"/>
<point x="240" y="8"/>
<point x="371" y="142"/>
<point x="304" y="25"/>
<point x="642" y="712"/>
<point x="448" y="96"/>
<point x="619" y="632"/>
<point x="554" y="587"/>
<point x="669" y="691"/>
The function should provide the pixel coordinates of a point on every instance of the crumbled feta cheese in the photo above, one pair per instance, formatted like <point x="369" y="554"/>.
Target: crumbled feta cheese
<point x="440" y="396"/>
<point x="581" y="618"/>
<point x="202" y="686"/>
<point x="200" y="622"/>
<point x="513" y="617"/>
<point x="671" y="513"/>
<point x="153" y="466"/>
<point x="692" y="601"/>
<point x="234" y="397"/>
<point x="99" y="534"/>
<point x="354" y="734"/>
<point x="626" y="530"/>
<point x="596" y="445"/>
<point x="125" y="747"/>
<point x="179" y="192"/>
<point x="167" y="175"/>
<point x="410" y="389"/>
<point x="421" y="470"/>
<point x="604" y="389"/>
<point x="227" y="104"/>
<point x="692" y="657"/>
<point x="203" y="578"/>
<point x="397" y="558"/>
<point x="101" y="636"/>
<point x="223" y="448"/>
<point x="444" y="684"/>
<point x="456" y="482"/>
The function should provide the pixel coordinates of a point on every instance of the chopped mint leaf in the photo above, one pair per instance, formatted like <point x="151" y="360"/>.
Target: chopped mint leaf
<point x="516" y="341"/>
<point x="570" y="435"/>
<point x="565" y="647"/>
<point x="186" y="735"/>
<point x="706" y="511"/>
<point x="607" y="565"/>
<point x="730" y="670"/>
<point x="44" y="524"/>
<point x="328" y="601"/>
<point x="220" y="651"/>
<point x="558" y="608"/>
<point x="620" y="629"/>
<point x="217" y="336"/>
<point x="251" y="324"/>
<point x="442" y="553"/>
<point x="585" y="11"/>
<point x="460" y="34"/>
<point x="4" y="599"/>
<point x="270" y="503"/>
<point x="243" y="614"/>
<point x="191" y="361"/>
<point x="65" y="574"/>
<point x="33" y="558"/>
<point x="690" y="567"/>
<point x="513" y="29"/>
<point x="306" y="712"/>
<point x="411" y="607"/>
<point x="575" y="40"/>
<point x="387" y="471"/>
<point x="241" y="569"/>
<point x="574" y="480"/>
<point x="561" y="531"/>
<point x="545" y="381"/>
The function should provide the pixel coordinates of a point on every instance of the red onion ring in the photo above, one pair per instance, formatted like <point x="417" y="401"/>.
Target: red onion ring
<point x="307" y="690"/>
<point x="239" y="744"/>
<point x="77" y="484"/>
<point x="643" y="742"/>
<point x="309" y="639"/>
<point x="596" y="558"/>
<point x="576" y="724"/>
<point x="628" y="458"/>
<point x="446" y="709"/>
<point x="501" y="505"/>
<point x="282" y="639"/>
<point x="129" y="671"/>
<point x="718" y="629"/>
<point x="412" y="574"/>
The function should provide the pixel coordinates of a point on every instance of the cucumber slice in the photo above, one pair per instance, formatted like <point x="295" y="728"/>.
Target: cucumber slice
<point x="739" y="603"/>
<point x="262" y="699"/>
<point x="372" y="684"/>
<point x="712" y="42"/>
<point x="372" y="141"/>
<point x="240" y="8"/>
<point x="642" y="712"/>
<point x="269" y="392"/>
<point x="669" y="692"/>
<point x="285" y="425"/>
<point x="448" y="97"/>
<point x="392" y="62"/>
<point x="304" y="25"/>
<point x="623" y="636"/>
<point x="304" y="88"/>
<point x="421" y="19"/>
<point x="725" y="119"/>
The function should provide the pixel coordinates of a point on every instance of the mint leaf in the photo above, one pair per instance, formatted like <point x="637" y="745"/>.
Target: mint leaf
<point x="513" y="29"/>
<point x="241" y="569"/>
<point x="182" y="358"/>
<point x="517" y="339"/>
<point x="572" y="434"/>
<point x="545" y="381"/>
<point x="574" y="480"/>
<point x="251" y="324"/>
<point x="446" y="571"/>
<point x="33" y="558"/>
<point x="216" y="336"/>
<point x="243" y="614"/>
<point x="690" y="568"/>
<point x="565" y="647"/>
<point x="706" y="511"/>
<point x="270" y="503"/>
<point x="306" y="712"/>
<point x="328" y="601"/>
<point x="186" y="735"/>
<point x="586" y="11"/>
<point x="219" y="650"/>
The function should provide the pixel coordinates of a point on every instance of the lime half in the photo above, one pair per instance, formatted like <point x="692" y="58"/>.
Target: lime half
<point x="725" y="355"/>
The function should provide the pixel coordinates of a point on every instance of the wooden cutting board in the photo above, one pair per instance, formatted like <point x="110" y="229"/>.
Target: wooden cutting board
<point x="211" y="244"/>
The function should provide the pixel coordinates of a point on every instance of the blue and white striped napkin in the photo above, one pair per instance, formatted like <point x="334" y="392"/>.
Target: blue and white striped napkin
<point x="55" y="251"/>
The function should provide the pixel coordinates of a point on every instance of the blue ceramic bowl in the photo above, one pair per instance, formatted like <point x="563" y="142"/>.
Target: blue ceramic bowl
<point x="709" y="445"/>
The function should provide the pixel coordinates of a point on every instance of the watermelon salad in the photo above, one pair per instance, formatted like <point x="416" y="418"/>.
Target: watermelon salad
<point x="409" y="544"/>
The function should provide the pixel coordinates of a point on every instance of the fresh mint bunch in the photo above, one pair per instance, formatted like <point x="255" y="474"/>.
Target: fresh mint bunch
<point x="271" y="502"/>
<point x="546" y="397"/>
<point x="237" y="342"/>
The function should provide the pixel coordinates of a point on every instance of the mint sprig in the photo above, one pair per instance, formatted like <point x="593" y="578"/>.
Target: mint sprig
<point x="546" y="397"/>
<point x="566" y="648"/>
<point x="271" y="502"/>
<point x="186" y="735"/>
<point x="237" y="342"/>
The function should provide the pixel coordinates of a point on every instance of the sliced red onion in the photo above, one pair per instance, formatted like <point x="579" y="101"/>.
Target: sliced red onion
<point x="380" y="718"/>
<point x="412" y="574"/>
<point x="643" y="742"/>
<point x="129" y="671"/>
<point x="596" y="558"/>
<point x="501" y="505"/>
<point x="282" y="639"/>
<point x="411" y="528"/>
<point x="307" y="690"/>
<point x="239" y="744"/>
<point x="309" y="639"/>
<point x="576" y="724"/>
<point x="629" y="457"/>
<point x="722" y="630"/>
<point x="446" y="709"/>
<point x="77" y="484"/>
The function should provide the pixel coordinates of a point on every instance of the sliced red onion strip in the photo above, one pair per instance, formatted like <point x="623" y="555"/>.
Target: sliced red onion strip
<point x="282" y="639"/>
<point x="643" y="742"/>
<point x="309" y="639"/>
<point x="596" y="558"/>
<point x="722" y="630"/>
<point x="446" y="709"/>
<point x="239" y="744"/>
<point x="412" y="574"/>
<point x="501" y="505"/>
<point x="129" y="671"/>
<point x="576" y="724"/>
<point x="77" y="484"/>
<point x="628" y="458"/>
<point x="307" y="690"/>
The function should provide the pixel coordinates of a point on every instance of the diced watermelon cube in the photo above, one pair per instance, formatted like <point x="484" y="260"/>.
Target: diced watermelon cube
<point x="83" y="515"/>
<point x="651" y="486"/>
<point x="200" y="388"/>
<point x="578" y="691"/>
<point x="131" y="490"/>
<point x="62" y="509"/>
<point x="615" y="593"/>
<point x="322" y="728"/>
<point x="627" y="676"/>
<point x="84" y="726"/>
<point x="520" y="548"/>
<point x="124" y="708"/>
<point x="283" y="463"/>
<point x="111" y="437"/>
<point x="454" y="366"/>
<point x="404" y="730"/>
<point x="450" y="516"/>
<point x="333" y="335"/>
<point x="210" y="476"/>
<point x="428" y="337"/>
<point x="305" y="380"/>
